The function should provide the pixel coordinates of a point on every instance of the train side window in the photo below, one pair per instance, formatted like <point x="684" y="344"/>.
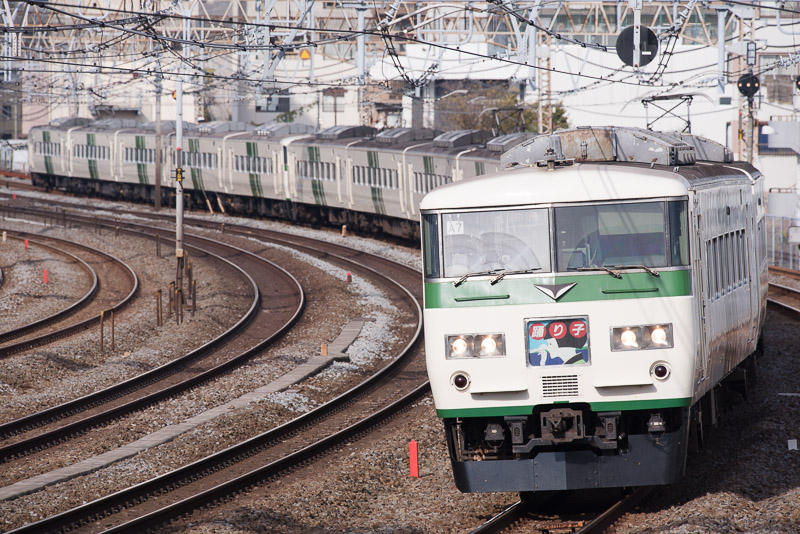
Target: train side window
<point x="717" y="280"/>
<point x="743" y="256"/>
<point x="727" y="263"/>
<point x="709" y="270"/>
<point x="740" y="251"/>
<point x="430" y="245"/>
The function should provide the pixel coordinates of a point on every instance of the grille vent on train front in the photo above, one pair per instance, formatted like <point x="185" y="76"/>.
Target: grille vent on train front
<point x="560" y="386"/>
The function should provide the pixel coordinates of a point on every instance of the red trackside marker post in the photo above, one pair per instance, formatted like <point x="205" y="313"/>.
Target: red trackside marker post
<point x="45" y="276"/>
<point x="26" y="244"/>
<point x="14" y="196"/>
<point x="349" y="277"/>
<point x="412" y="454"/>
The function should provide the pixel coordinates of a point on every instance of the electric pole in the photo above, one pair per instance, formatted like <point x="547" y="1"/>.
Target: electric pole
<point x="179" y="168"/>
<point x="158" y="142"/>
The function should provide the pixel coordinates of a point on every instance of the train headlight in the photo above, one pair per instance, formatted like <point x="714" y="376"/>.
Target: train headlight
<point x="458" y="347"/>
<point x="642" y="337"/>
<point x="475" y="346"/>
<point x="628" y="339"/>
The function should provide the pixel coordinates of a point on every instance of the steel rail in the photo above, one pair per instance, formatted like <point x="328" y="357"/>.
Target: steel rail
<point x="152" y="376"/>
<point x="13" y="348"/>
<point x="216" y="461"/>
<point x="79" y="303"/>
<point x="504" y="519"/>
<point x="517" y="513"/>
<point x="169" y="368"/>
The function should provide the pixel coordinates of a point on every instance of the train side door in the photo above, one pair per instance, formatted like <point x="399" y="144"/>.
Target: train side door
<point x="702" y="283"/>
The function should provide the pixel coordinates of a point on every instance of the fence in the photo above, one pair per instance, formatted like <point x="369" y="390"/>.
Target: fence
<point x="780" y="251"/>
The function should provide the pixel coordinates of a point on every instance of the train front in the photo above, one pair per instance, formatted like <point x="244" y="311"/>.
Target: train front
<point x="559" y="332"/>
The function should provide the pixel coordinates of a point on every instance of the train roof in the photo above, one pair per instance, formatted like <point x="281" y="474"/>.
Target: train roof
<point x="616" y="143"/>
<point x="582" y="182"/>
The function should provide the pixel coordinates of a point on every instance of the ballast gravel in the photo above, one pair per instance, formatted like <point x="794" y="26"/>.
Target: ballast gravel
<point x="24" y="295"/>
<point x="75" y="366"/>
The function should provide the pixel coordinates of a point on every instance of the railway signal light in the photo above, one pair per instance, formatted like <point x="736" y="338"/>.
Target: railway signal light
<point x="748" y="85"/>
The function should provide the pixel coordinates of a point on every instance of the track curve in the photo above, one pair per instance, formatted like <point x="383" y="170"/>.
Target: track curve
<point x="83" y="314"/>
<point x="257" y="328"/>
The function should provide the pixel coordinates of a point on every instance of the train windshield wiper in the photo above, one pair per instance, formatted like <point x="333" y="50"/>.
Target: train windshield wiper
<point x="521" y="271"/>
<point x="650" y="271"/>
<point x="615" y="274"/>
<point x="469" y="275"/>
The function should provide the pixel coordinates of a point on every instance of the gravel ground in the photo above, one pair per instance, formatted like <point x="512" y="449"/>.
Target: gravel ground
<point x="24" y="297"/>
<point x="49" y="375"/>
<point x="331" y="304"/>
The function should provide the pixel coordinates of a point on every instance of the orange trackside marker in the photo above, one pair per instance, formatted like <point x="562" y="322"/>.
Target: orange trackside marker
<point x="412" y="454"/>
<point x="45" y="276"/>
<point x="26" y="244"/>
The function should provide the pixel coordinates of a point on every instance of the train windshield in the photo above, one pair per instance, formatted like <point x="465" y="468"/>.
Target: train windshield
<point x="482" y="241"/>
<point x="653" y="234"/>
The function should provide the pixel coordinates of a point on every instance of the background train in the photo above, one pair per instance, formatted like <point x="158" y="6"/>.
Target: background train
<point x="581" y="309"/>
<point x="343" y="175"/>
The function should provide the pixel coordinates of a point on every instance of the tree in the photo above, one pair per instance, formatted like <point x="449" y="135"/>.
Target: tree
<point x="496" y="109"/>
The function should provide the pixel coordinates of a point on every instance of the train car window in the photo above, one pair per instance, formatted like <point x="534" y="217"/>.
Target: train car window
<point x="479" y="168"/>
<point x="726" y="262"/>
<point x="709" y="270"/>
<point x="430" y="245"/>
<point x="742" y="257"/>
<point x="611" y="234"/>
<point x="719" y="260"/>
<point x="427" y="161"/>
<point x="501" y="239"/>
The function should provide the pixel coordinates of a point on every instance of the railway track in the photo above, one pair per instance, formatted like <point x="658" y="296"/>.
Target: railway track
<point x="14" y="333"/>
<point x="783" y="295"/>
<point x="260" y="326"/>
<point x="545" y="514"/>
<point x="294" y="443"/>
<point x="114" y="284"/>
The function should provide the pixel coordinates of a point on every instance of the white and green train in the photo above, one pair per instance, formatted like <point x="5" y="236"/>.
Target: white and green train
<point x="371" y="181"/>
<point x="582" y="307"/>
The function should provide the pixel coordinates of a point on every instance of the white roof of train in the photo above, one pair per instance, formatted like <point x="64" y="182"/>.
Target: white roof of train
<point x="580" y="182"/>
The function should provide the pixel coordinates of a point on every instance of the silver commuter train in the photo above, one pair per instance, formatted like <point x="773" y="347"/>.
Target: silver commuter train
<point x="581" y="309"/>
<point x="342" y="175"/>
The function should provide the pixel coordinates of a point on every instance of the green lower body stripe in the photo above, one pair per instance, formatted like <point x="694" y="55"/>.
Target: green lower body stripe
<point x="605" y="406"/>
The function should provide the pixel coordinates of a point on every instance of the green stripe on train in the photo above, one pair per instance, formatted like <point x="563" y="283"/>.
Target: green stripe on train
<point x="319" y="192"/>
<point x="141" y="168"/>
<point x="48" y="160"/>
<point x="512" y="291"/>
<point x="195" y="173"/>
<point x="255" y="178"/>
<point x="197" y="178"/>
<point x="499" y="411"/>
<point x="92" y="163"/>
<point x="377" y="200"/>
